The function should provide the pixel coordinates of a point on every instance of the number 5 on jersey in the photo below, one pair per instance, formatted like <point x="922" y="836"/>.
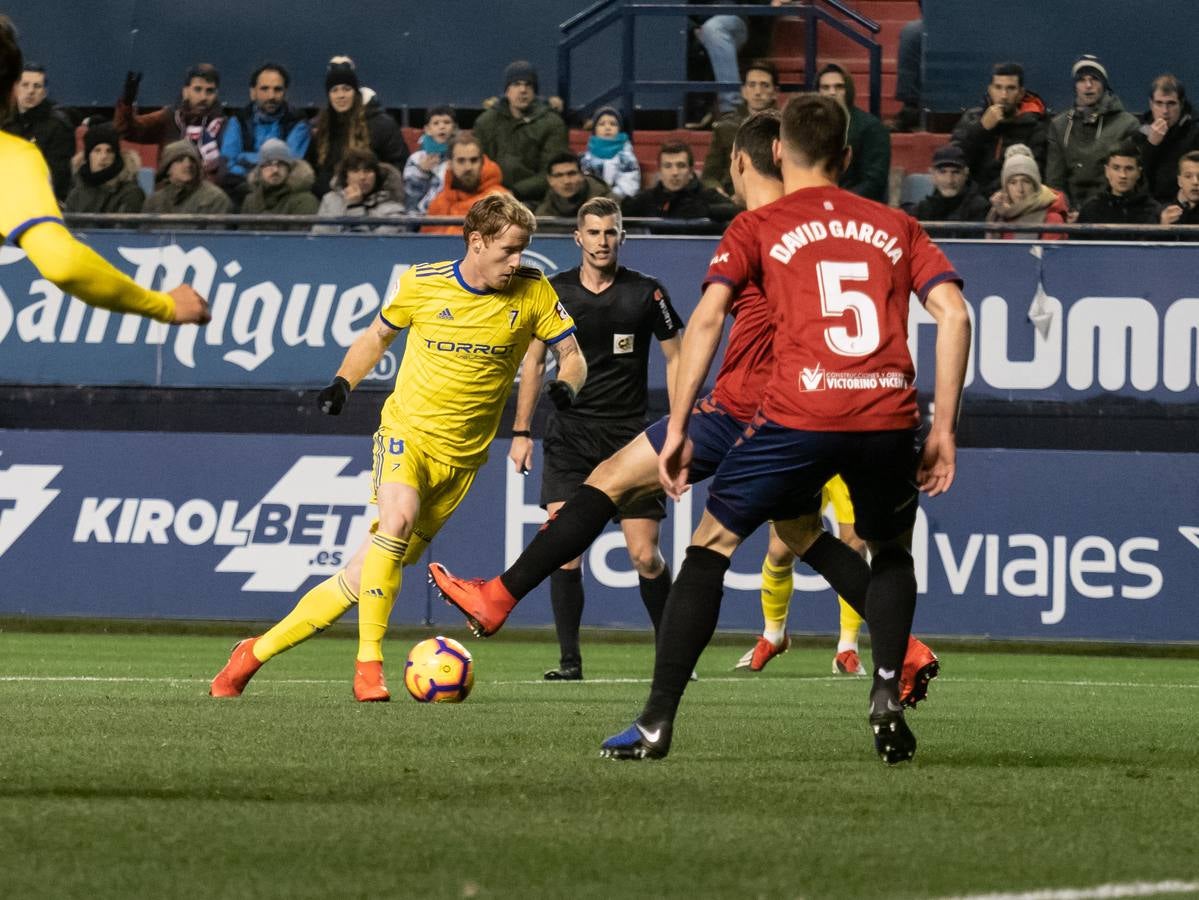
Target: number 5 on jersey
<point x="835" y="300"/>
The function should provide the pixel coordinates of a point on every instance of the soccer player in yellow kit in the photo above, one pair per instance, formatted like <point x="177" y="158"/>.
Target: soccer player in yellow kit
<point x="469" y="323"/>
<point x="30" y="219"/>
<point x="778" y="586"/>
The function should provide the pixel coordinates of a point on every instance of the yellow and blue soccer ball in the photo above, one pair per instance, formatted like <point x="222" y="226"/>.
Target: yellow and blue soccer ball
<point x="439" y="670"/>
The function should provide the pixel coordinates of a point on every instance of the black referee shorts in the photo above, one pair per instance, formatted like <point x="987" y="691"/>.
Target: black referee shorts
<point x="572" y="447"/>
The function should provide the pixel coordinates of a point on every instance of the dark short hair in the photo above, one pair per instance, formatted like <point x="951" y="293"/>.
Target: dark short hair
<point x="11" y="62"/>
<point x="1168" y="84"/>
<point x="559" y="158"/>
<point x="358" y="158"/>
<point x="1009" y="68"/>
<point x="761" y="65"/>
<point x="205" y="72"/>
<point x="271" y="67"/>
<point x="1192" y="157"/>
<point x="672" y="147"/>
<point x="756" y="137"/>
<point x="1126" y="148"/>
<point x="441" y="111"/>
<point x="31" y="66"/>
<point x="461" y="138"/>
<point x="601" y="207"/>
<point x="814" y="128"/>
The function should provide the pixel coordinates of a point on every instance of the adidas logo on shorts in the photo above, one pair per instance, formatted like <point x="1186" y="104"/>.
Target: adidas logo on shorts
<point x="446" y="314"/>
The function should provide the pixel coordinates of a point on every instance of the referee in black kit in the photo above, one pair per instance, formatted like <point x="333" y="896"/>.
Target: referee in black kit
<point x="616" y="311"/>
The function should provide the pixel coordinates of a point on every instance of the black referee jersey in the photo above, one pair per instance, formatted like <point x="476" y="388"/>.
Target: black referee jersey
<point x="614" y="329"/>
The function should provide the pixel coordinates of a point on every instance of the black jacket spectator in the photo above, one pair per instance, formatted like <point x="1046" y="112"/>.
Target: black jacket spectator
<point x="968" y="206"/>
<point x="692" y="201"/>
<point x="984" y="149"/>
<point x="49" y="127"/>
<point x="1135" y="208"/>
<point x="1161" y="160"/>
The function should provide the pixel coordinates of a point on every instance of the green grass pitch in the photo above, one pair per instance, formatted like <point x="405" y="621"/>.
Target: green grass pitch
<point x="119" y="777"/>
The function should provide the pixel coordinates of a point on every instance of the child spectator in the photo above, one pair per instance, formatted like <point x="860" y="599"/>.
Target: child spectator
<point x="364" y="187"/>
<point x="105" y="179"/>
<point x="424" y="173"/>
<point x="1023" y="199"/>
<point x="609" y="155"/>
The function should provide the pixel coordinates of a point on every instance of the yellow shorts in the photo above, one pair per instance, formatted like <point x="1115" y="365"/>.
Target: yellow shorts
<point x="836" y="493"/>
<point x="441" y="486"/>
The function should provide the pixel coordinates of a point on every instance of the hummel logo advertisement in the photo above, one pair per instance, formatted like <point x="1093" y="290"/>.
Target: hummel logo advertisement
<point x="818" y="380"/>
<point x="886" y="674"/>
<point x="446" y="314"/>
<point x="24" y="495"/>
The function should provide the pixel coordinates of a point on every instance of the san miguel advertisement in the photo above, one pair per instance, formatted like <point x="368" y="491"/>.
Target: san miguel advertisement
<point x="1027" y="544"/>
<point x="1064" y="321"/>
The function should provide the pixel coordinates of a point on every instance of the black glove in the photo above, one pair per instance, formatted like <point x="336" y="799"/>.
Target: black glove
<point x="132" y="81"/>
<point x="334" y="397"/>
<point x="561" y="394"/>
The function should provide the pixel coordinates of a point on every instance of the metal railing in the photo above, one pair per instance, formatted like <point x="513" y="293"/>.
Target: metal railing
<point x="605" y="13"/>
<point x="410" y="223"/>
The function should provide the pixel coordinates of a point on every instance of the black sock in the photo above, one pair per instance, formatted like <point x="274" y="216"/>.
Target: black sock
<point x="563" y="538"/>
<point x="687" y="625"/>
<point x="890" y="606"/>
<point x="843" y="568"/>
<point x="566" y="598"/>
<point x="654" y="592"/>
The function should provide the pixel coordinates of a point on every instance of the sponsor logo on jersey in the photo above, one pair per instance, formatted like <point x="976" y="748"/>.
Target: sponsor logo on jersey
<point x="622" y="343"/>
<point x="561" y="311"/>
<point x="815" y="379"/>
<point x="471" y="349"/>
<point x="24" y="495"/>
<point x="446" y="315"/>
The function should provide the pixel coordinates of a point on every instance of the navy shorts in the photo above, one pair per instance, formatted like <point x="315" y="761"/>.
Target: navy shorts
<point x="572" y="447"/>
<point x="713" y="433"/>
<point x="776" y="474"/>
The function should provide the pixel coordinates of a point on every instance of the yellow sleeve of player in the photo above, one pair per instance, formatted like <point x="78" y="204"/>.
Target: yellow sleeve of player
<point x="553" y="322"/>
<point x="29" y="218"/>
<point x="397" y="309"/>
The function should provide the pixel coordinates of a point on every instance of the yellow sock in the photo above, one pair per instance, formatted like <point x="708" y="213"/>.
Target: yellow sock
<point x="851" y="625"/>
<point x="316" y="611"/>
<point x="777" y="584"/>
<point x="382" y="571"/>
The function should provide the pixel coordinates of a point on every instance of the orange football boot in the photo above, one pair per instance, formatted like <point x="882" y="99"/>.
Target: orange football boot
<point x="242" y="665"/>
<point x="920" y="666"/>
<point x="369" y="684"/>
<point x="763" y="652"/>
<point x="486" y="604"/>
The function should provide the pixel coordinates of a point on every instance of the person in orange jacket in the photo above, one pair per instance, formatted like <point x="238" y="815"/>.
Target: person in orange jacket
<point x="472" y="176"/>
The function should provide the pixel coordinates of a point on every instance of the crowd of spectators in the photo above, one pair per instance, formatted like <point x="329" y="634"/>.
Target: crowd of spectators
<point x="1009" y="160"/>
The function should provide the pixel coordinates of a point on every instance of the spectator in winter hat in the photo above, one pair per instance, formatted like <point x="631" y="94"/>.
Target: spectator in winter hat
<point x="1081" y="137"/>
<point x="522" y="133"/>
<point x="1023" y="199"/>
<point x="280" y="184"/>
<point x="105" y="179"/>
<point x="609" y="155"/>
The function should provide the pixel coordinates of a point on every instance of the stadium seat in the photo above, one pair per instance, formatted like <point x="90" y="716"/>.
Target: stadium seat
<point x="916" y="187"/>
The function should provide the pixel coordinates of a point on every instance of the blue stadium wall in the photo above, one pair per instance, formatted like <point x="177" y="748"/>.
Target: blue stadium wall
<point x="413" y="54"/>
<point x="1030" y="543"/>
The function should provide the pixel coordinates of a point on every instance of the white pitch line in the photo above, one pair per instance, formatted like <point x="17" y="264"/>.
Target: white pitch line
<point x="1099" y="892"/>
<point x="725" y="679"/>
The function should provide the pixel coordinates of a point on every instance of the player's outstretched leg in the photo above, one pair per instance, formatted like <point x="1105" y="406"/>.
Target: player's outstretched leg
<point x="316" y="611"/>
<point x="688" y="623"/>
<point x="487" y="604"/>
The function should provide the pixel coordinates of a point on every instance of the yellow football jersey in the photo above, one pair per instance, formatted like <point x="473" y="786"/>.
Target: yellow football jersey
<point x="26" y="197"/>
<point x="460" y="360"/>
<point x="27" y="200"/>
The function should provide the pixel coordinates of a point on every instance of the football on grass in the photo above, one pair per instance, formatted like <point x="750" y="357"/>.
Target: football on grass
<point x="439" y="670"/>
